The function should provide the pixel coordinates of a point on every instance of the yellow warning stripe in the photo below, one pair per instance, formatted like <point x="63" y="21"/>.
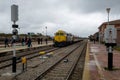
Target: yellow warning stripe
<point x="86" y="75"/>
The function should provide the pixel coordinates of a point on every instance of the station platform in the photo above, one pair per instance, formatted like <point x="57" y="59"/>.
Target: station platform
<point x="96" y="63"/>
<point x="20" y="47"/>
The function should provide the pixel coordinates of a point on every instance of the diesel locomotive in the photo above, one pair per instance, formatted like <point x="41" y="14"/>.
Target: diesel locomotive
<point x="62" y="38"/>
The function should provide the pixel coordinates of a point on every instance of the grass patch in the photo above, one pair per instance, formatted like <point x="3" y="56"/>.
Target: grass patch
<point x="117" y="48"/>
<point x="114" y="69"/>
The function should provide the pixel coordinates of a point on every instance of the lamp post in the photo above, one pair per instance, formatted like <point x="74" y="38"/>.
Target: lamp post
<point x="46" y="31"/>
<point x="46" y="35"/>
<point x="42" y="32"/>
<point x="108" y="11"/>
<point x="110" y="44"/>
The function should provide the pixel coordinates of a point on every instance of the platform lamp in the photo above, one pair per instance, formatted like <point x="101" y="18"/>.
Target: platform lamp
<point x="108" y="11"/>
<point x="109" y="35"/>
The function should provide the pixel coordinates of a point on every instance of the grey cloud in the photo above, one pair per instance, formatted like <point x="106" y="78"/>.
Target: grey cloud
<point x="70" y="15"/>
<point x="90" y="6"/>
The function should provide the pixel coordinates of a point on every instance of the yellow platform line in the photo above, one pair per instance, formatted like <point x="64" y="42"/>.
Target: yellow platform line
<point x="86" y="73"/>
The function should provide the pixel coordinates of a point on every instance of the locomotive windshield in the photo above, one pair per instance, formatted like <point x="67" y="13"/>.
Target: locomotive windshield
<point x="59" y="34"/>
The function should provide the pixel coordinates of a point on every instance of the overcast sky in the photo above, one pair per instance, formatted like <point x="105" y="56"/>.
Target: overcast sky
<point x="79" y="17"/>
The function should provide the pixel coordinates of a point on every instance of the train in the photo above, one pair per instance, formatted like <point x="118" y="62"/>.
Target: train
<point x="62" y="38"/>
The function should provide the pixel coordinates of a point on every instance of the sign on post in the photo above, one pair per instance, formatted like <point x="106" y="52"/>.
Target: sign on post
<point x="14" y="13"/>
<point x="110" y="34"/>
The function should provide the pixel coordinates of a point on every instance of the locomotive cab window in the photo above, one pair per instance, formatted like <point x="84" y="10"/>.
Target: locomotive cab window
<point x="61" y="34"/>
<point x="57" y="34"/>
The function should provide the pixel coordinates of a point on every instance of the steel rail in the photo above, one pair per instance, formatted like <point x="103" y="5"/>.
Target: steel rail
<point x="28" y="52"/>
<point x="75" y="64"/>
<point x="46" y="71"/>
<point x="34" y="55"/>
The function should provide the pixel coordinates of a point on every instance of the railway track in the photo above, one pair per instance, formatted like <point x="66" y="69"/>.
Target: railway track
<point x="63" y="69"/>
<point x="8" y="55"/>
<point x="57" y="67"/>
<point x="77" y="71"/>
<point x="6" y="61"/>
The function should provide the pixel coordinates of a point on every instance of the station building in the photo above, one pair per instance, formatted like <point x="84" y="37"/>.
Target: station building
<point x="102" y="27"/>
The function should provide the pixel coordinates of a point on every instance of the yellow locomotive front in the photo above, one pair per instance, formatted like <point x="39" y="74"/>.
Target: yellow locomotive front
<point x="60" y="38"/>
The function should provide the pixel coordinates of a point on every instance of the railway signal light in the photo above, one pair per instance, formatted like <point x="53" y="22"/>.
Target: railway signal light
<point x="15" y="31"/>
<point x="14" y="26"/>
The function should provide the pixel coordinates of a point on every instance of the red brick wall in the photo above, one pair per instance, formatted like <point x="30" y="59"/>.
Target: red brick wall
<point x="118" y="37"/>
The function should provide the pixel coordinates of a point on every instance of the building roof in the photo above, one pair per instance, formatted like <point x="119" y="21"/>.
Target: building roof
<point x="110" y="22"/>
<point x="114" y="22"/>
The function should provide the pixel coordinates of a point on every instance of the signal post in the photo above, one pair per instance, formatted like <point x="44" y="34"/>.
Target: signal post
<point x="14" y="18"/>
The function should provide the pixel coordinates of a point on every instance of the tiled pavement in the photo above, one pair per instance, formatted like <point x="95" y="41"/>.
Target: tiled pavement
<point x="98" y="61"/>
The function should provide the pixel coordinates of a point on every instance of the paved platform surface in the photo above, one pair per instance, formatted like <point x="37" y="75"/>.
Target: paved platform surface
<point x="19" y="46"/>
<point x="97" y="62"/>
